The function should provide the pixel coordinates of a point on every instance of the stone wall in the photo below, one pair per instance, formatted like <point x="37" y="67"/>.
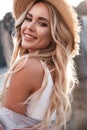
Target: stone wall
<point x="2" y="59"/>
<point x="6" y="28"/>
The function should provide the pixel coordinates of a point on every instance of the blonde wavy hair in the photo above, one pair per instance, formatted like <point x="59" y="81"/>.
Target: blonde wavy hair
<point x="59" y="54"/>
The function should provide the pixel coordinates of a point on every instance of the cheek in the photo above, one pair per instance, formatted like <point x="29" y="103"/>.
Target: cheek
<point x="45" y="34"/>
<point x="22" y="28"/>
<point x="48" y="36"/>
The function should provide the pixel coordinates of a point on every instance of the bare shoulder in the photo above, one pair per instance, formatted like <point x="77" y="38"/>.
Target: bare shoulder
<point x="34" y="64"/>
<point x="23" y="83"/>
<point x="35" y="71"/>
<point x="32" y="72"/>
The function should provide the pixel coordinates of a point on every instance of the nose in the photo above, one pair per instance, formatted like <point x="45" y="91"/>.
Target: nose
<point x="32" y="26"/>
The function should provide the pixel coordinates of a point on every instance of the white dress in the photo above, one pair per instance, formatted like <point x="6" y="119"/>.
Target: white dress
<point x="38" y="110"/>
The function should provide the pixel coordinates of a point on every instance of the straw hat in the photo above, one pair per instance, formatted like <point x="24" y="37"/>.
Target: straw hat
<point x="65" y="9"/>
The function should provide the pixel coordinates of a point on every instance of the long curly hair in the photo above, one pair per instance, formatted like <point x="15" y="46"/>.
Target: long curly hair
<point x="59" y="54"/>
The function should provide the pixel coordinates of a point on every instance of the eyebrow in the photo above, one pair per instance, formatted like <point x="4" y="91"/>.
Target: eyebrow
<point x="40" y="18"/>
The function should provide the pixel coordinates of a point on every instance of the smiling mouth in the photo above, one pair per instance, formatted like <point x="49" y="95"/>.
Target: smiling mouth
<point x="29" y="37"/>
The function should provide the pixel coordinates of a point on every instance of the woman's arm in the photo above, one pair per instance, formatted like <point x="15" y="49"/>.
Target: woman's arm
<point x="23" y="84"/>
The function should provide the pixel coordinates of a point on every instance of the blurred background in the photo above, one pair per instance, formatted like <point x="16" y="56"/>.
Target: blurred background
<point x="79" y="102"/>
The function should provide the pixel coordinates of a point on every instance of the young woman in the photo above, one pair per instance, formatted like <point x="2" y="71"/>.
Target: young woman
<point x="36" y="93"/>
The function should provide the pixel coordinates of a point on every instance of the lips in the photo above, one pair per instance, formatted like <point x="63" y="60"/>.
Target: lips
<point x="29" y="36"/>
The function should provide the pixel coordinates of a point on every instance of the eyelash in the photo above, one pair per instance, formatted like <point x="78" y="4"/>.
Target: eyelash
<point x="28" y="19"/>
<point x="43" y="24"/>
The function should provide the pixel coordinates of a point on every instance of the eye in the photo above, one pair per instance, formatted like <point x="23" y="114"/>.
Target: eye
<point x="43" y="24"/>
<point x="28" y="19"/>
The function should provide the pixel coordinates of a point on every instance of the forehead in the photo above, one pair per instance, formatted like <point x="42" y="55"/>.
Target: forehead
<point x="40" y="9"/>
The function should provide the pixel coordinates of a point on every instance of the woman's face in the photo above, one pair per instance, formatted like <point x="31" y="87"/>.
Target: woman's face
<point x="35" y="30"/>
